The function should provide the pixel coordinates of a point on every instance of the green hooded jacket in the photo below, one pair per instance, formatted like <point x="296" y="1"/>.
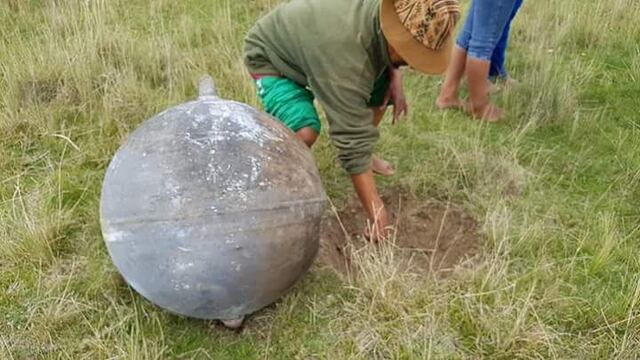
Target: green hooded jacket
<point x="337" y="49"/>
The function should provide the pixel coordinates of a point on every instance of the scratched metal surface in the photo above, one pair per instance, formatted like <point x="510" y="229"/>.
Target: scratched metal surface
<point x="212" y="209"/>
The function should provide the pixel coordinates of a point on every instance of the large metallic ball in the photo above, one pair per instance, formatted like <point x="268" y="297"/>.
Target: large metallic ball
<point x="212" y="209"/>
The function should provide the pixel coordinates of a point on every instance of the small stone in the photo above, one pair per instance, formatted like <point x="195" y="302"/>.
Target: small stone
<point x="233" y="324"/>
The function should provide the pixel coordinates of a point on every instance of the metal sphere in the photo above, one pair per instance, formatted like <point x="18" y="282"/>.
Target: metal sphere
<point x="212" y="209"/>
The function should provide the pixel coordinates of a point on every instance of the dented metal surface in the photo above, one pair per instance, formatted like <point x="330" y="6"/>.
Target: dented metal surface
<point x="212" y="209"/>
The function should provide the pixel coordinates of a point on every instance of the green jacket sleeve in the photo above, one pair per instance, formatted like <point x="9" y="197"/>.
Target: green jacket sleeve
<point x="350" y="121"/>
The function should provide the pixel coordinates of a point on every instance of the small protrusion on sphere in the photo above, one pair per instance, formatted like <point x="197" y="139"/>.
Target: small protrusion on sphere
<point x="207" y="87"/>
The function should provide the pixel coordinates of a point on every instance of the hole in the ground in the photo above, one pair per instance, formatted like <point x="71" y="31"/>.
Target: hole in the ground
<point x="430" y="235"/>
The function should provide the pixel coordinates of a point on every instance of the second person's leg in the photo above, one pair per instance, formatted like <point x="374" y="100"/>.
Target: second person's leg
<point x="498" y="69"/>
<point x="448" y="97"/>
<point x="489" y="20"/>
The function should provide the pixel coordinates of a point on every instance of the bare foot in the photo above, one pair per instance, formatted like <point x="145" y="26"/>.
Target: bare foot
<point x="488" y="112"/>
<point x="381" y="167"/>
<point x="443" y="103"/>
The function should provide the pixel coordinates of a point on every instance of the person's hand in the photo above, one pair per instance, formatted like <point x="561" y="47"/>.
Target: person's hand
<point x="395" y="93"/>
<point x="377" y="233"/>
<point x="377" y="228"/>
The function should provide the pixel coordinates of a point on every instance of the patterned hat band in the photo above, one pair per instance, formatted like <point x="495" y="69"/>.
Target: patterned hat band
<point x="430" y="22"/>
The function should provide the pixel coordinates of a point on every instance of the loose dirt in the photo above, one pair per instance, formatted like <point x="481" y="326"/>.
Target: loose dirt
<point x="430" y="235"/>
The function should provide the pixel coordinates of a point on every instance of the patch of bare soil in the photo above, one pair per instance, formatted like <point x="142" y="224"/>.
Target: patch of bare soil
<point x="430" y="236"/>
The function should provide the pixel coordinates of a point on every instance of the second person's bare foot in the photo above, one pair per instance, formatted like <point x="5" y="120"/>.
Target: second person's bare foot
<point x="488" y="112"/>
<point x="381" y="167"/>
<point x="445" y="103"/>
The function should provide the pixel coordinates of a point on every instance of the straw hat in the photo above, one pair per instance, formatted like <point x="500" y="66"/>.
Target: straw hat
<point x="421" y="31"/>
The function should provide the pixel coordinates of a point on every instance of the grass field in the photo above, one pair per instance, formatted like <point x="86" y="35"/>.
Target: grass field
<point x="559" y="271"/>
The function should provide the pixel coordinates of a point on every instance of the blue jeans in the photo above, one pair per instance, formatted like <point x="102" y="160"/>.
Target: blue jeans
<point x="484" y="27"/>
<point x="497" y="69"/>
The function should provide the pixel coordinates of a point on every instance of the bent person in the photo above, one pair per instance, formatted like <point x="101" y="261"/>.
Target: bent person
<point x="346" y="54"/>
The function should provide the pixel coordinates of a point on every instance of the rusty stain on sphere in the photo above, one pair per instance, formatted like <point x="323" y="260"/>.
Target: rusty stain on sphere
<point x="212" y="209"/>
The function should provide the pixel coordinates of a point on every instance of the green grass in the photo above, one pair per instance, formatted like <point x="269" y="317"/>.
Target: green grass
<point x="559" y="275"/>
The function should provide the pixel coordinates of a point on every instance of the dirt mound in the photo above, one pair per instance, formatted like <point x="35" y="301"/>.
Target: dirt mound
<point x="429" y="235"/>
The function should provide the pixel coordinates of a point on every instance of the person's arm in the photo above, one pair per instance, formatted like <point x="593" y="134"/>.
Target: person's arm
<point x="367" y="191"/>
<point x="354" y="135"/>
<point x="395" y="93"/>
